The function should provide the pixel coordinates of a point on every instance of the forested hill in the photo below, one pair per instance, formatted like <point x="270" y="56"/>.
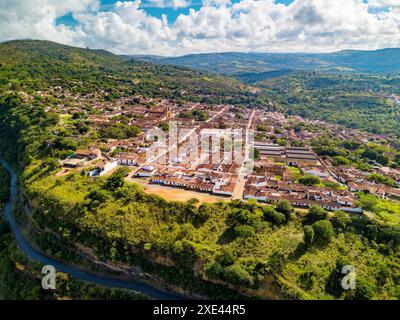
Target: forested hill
<point x="234" y="63"/>
<point x="27" y="65"/>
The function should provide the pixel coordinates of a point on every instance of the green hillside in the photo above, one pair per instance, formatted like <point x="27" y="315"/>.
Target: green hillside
<point x="37" y="65"/>
<point x="355" y="101"/>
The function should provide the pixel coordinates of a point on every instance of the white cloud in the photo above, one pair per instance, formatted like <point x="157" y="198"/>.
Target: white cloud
<point x="175" y="4"/>
<point x="392" y="5"/>
<point x="36" y="19"/>
<point x="248" y="25"/>
<point x="384" y="3"/>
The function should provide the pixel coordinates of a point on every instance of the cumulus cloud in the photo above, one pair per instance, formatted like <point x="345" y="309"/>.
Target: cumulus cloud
<point x="219" y="25"/>
<point x="391" y="5"/>
<point x="384" y="3"/>
<point x="176" y="4"/>
<point x="36" y="19"/>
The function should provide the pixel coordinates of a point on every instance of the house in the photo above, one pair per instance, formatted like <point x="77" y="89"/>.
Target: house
<point x="72" y="163"/>
<point x="201" y="186"/>
<point x="146" y="172"/>
<point x="318" y="173"/>
<point x="126" y="160"/>
<point x="388" y="192"/>
<point x="225" y="187"/>
<point x="87" y="154"/>
<point x="260" y="168"/>
<point x="296" y="156"/>
<point x="106" y="167"/>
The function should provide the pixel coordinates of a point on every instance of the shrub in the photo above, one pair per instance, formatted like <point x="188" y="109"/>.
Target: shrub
<point x="245" y="231"/>
<point x="316" y="213"/>
<point x="273" y="216"/>
<point x="114" y="182"/>
<point x="285" y="207"/>
<point x="309" y="180"/>
<point x="214" y="270"/>
<point x="226" y="258"/>
<point x="237" y="275"/>
<point x="341" y="161"/>
<point x="364" y="290"/>
<point x="323" y="232"/>
<point x="378" y="178"/>
<point x="308" y="237"/>
<point x="340" y="220"/>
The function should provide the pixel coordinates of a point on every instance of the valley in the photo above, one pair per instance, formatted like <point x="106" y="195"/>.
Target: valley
<point x="220" y="190"/>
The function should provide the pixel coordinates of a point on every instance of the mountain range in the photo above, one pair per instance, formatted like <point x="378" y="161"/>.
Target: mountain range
<point x="236" y="63"/>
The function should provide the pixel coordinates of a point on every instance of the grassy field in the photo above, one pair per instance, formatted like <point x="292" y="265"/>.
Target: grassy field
<point x="387" y="211"/>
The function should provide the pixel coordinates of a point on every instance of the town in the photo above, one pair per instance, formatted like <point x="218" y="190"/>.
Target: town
<point x="277" y="163"/>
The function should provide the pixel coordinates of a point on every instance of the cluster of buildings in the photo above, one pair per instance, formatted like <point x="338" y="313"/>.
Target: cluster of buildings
<point x="93" y="159"/>
<point x="212" y="182"/>
<point x="357" y="181"/>
<point x="292" y="156"/>
<point x="272" y="191"/>
<point x="275" y="175"/>
<point x="271" y="183"/>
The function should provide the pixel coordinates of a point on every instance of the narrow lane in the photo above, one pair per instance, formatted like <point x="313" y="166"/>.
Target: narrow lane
<point x="239" y="188"/>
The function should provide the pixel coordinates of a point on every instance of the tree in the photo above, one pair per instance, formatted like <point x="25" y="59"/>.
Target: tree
<point x="119" y="131"/>
<point x="368" y="202"/>
<point x="323" y="232"/>
<point x="316" y="213"/>
<point x="236" y="274"/>
<point x="245" y="231"/>
<point x="96" y="198"/>
<point x="214" y="270"/>
<point x="114" y="182"/>
<point x="340" y="220"/>
<point x="244" y="216"/>
<point x="285" y="207"/>
<point x="378" y="178"/>
<point x="271" y="215"/>
<point x="309" y="180"/>
<point x="364" y="290"/>
<point x="341" y="161"/>
<point x="204" y="212"/>
<point x="226" y="258"/>
<point x="123" y="171"/>
<point x="308" y="237"/>
<point x="164" y="126"/>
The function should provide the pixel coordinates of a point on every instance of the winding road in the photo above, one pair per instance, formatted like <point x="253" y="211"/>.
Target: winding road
<point x="34" y="254"/>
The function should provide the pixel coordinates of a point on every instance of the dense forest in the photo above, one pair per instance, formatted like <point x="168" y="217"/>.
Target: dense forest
<point x="39" y="65"/>
<point x="221" y="250"/>
<point x="356" y="101"/>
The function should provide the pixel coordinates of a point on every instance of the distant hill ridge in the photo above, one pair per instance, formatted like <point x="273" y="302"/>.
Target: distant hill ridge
<point x="234" y="63"/>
